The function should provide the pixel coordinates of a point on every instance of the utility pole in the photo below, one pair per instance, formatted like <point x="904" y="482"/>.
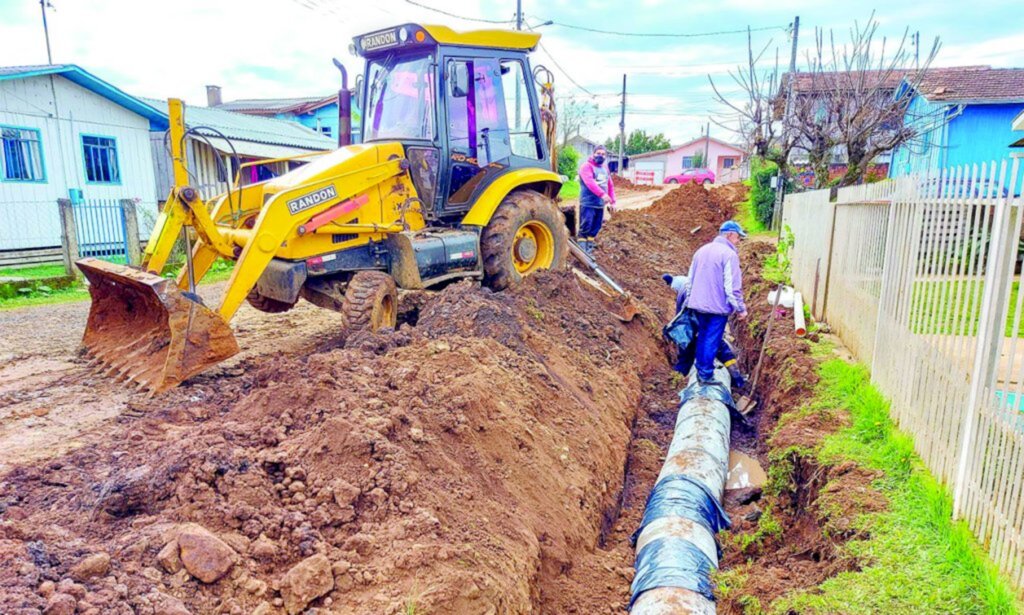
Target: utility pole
<point x="622" y="129"/>
<point x="707" y="145"/>
<point x="46" y="31"/>
<point x="777" y="214"/>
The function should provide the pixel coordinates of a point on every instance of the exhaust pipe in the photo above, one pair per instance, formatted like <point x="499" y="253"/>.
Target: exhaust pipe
<point x="676" y="549"/>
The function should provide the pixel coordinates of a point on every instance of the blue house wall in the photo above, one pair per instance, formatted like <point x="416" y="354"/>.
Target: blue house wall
<point x="976" y="133"/>
<point x="326" y="116"/>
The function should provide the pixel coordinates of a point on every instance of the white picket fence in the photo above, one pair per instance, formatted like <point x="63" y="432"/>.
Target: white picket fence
<point x="920" y="278"/>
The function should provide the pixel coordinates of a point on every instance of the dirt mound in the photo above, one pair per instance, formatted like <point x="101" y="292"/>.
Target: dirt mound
<point x="734" y="193"/>
<point x="457" y="466"/>
<point x="638" y="246"/>
<point x="624" y="183"/>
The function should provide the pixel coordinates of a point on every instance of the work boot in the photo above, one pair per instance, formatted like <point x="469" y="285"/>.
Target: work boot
<point x="738" y="380"/>
<point x="588" y="247"/>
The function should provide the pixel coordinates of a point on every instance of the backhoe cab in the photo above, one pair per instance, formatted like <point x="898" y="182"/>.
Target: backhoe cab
<point x="452" y="180"/>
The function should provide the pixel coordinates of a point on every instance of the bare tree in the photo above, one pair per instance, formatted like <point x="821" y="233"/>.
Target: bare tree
<point x="757" y="117"/>
<point x="854" y="100"/>
<point x="575" y="115"/>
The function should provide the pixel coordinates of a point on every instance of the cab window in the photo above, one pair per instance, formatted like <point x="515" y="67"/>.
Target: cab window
<point x="521" y="128"/>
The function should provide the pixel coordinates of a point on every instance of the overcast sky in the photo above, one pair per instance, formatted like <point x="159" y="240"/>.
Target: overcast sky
<point x="279" y="48"/>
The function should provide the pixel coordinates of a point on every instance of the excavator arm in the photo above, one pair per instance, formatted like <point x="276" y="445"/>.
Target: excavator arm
<point x="144" y="328"/>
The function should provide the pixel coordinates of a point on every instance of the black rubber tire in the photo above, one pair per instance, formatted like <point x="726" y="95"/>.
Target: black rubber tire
<point x="496" y="241"/>
<point x="266" y="304"/>
<point x="371" y="302"/>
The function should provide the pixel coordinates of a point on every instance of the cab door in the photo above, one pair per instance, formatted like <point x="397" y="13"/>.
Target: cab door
<point x="479" y="144"/>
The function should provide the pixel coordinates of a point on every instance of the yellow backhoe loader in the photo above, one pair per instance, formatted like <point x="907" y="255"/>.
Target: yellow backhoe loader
<point x="452" y="180"/>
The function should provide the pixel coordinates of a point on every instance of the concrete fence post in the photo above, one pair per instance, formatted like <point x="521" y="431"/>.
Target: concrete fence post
<point x="68" y="235"/>
<point x="131" y="231"/>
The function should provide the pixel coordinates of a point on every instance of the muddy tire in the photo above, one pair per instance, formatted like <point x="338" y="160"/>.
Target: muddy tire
<point x="266" y="304"/>
<point x="371" y="302"/>
<point x="527" y="233"/>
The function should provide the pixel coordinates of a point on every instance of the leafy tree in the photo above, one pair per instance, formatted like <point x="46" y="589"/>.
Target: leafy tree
<point x="568" y="161"/>
<point x="639" y="142"/>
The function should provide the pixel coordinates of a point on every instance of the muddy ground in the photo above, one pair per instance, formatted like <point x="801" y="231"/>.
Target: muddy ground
<point x="490" y="456"/>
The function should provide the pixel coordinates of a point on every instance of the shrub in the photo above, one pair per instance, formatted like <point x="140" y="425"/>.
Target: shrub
<point x="762" y="196"/>
<point x="568" y="161"/>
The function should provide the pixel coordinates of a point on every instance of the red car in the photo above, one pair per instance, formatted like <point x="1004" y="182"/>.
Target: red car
<point x="697" y="176"/>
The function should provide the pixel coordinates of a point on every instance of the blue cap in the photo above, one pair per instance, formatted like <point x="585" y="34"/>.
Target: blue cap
<point x="731" y="226"/>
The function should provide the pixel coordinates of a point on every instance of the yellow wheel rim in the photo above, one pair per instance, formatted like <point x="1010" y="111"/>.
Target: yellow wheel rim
<point x="533" y="247"/>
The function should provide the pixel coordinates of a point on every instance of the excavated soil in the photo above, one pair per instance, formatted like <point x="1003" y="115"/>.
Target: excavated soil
<point x="627" y="185"/>
<point x="491" y="456"/>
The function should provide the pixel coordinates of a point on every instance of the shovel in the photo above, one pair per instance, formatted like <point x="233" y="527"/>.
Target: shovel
<point x="747" y="404"/>
<point x="628" y="309"/>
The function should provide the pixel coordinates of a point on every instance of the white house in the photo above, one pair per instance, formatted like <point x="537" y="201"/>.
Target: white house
<point x="65" y="133"/>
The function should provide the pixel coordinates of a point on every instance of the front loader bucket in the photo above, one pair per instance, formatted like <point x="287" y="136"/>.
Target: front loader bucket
<point x="143" y="328"/>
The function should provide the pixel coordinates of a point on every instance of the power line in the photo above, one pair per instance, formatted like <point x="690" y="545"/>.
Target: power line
<point x="442" y="12"/>
<point x="664" y="34"/>
<point x="564" y="72"/>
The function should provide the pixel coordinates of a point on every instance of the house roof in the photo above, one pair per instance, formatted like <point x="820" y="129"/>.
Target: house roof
<point x="676" y="148"/>
<point x="582" y="138"/>
<point x="89" y="81"/>
<point x="973" y="84"/>
<point x="273" y="106"/>
<point x="808" y="82"/>
<point x="250" y="128"/>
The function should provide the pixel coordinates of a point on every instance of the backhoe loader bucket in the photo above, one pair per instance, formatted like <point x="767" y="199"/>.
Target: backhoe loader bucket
<point x="143" y="328"/>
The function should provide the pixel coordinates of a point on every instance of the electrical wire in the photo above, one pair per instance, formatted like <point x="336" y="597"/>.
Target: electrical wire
<point x="663" y="34"/>
<point x="564" y="72"/>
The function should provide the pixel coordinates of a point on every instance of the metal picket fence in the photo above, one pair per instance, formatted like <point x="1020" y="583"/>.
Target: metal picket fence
<point x="922" y="279"/>
<point x="101" y="229"/>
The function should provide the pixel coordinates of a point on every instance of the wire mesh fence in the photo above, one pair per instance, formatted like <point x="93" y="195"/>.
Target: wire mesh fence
<point x="923" y="284"/>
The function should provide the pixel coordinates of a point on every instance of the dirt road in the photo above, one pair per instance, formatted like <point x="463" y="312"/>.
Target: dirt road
<point x="51" y="402"/>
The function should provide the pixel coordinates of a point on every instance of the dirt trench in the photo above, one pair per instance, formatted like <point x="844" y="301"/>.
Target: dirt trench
<point x="811" y="506"/>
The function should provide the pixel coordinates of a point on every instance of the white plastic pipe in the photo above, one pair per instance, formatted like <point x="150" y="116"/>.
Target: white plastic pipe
<point x="798" y="315"/>
<point x="699" y="450"/>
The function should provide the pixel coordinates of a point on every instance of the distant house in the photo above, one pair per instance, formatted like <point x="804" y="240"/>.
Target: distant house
<point x="725" y="159"/>
<point x="817" y="85"/>
<point x="965" y="116"/>
<point x="251" y="138"/>
<point x="66" y="133"/>
<point x="319" y="113"/>
<point x="584" y="146"/>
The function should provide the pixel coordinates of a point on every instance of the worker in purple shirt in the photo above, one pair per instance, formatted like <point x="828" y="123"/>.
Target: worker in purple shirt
<point x="714" y="291"/>
<point x="685" y="358"/>
<point x="596" y="191"/>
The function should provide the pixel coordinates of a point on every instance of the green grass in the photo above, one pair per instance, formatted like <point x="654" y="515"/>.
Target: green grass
<point x="48" y="270"/>
<point x="748" y="219"/>
<point x="935" y="307"/>
<point x="915" y="559"/>
<point x="221" y="270"/>
<point x="570" y="189"/>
